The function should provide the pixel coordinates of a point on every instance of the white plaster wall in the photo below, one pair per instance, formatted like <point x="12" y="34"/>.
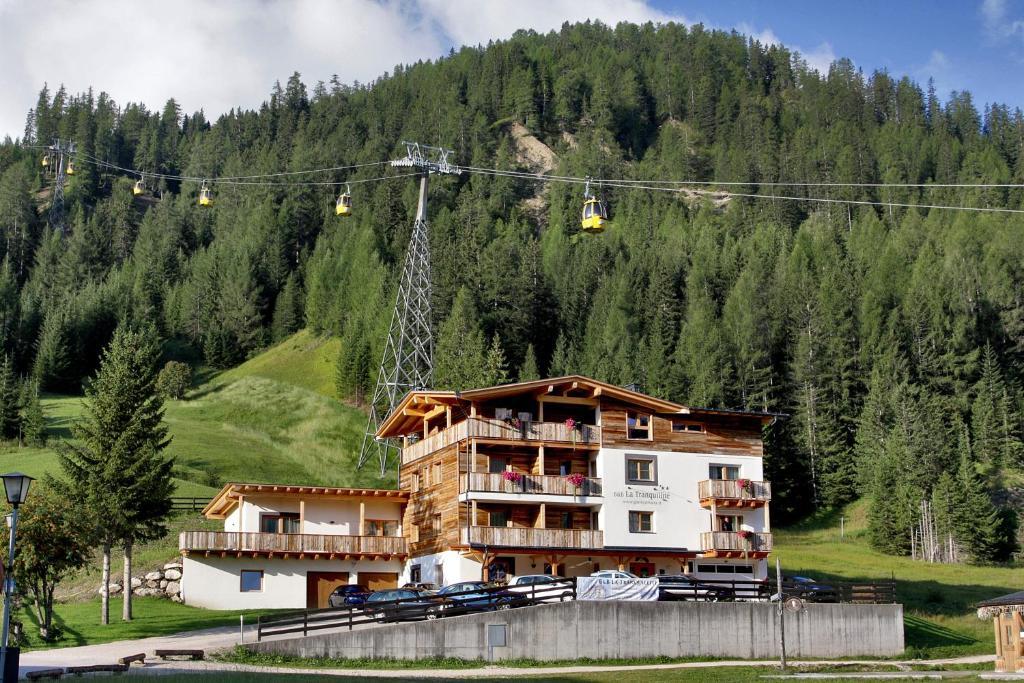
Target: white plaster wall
<point x="214" y="582"/>
<point x="321" y="516"/>
<point x="232" y="521"/>
<point x="453" y="568"/>
<point x="678" y="517"/>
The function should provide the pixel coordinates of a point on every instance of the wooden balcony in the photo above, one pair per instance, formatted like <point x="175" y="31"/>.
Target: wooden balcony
<point x="529" y="537"/>
<point x="535" y="484"/>
<point x="726" y="493"/>
<point x="483" y="428"/>
<point x="733" y="544"/>
<point x="312" y="546"/>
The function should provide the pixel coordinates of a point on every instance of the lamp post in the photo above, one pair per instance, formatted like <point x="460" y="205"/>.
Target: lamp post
<point x="16" y="487"/>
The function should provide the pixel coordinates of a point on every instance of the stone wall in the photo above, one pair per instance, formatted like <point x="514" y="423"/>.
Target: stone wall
<point x="163" y="583"/>
<point x="620" y="630"/>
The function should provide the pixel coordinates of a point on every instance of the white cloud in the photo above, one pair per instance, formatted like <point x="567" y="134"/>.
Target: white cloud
<point x="819" y="58"/>
<point x="999" y="25"/>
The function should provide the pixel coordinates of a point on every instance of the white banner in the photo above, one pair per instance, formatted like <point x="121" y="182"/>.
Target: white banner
<point x="596" y="588"/>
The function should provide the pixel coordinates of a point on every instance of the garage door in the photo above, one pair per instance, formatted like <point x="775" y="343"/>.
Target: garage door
<point x="320" y="585"/>
<point x="378" y="581"/>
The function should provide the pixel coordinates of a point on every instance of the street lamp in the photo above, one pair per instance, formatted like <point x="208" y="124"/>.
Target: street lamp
<point x="16" y="487"/>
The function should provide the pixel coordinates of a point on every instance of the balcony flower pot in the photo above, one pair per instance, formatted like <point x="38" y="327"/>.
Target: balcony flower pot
<point x="746" y="486"/>
<point x="513" y="480"/>
<point x="576" y="480"/>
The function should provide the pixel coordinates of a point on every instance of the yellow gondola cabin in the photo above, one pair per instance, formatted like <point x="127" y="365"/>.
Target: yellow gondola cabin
<point x="205" y="196"/>
<point x="343" y="207"/>
<point x="595" y="216"/>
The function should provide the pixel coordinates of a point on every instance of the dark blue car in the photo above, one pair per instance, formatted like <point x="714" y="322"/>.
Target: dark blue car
<point x="474" y="596"/>
<point x="343" y="596"/>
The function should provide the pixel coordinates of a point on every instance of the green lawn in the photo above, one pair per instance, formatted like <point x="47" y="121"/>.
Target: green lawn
<point x="80" y="621"/>
<point x="938" y="599"/>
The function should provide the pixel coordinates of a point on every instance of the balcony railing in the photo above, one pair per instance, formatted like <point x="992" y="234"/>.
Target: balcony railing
<point x="736" y="541"/>
<point x="486" y="428"/>
<point x="529" y="537"/>
<point x="316" y="544"/>
<point x="528" y="483"/>
<point x="730" y="490"/>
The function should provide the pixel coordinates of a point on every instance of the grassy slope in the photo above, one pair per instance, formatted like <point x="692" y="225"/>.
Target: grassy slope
<point x="938" y="599"/>
<point x="273" y="418"/>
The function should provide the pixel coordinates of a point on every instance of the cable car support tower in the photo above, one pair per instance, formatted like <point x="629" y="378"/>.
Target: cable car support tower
<point x="408" y="361"/>
<point x="58" y="156"/>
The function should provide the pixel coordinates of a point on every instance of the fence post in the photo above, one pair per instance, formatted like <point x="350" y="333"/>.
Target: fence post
<point x="259" y="629"/>
<point x="305" y="624"/>
<point x="350" y="617"/>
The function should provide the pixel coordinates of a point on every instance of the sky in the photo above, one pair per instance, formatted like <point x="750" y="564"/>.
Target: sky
<point x="215" y="55"/>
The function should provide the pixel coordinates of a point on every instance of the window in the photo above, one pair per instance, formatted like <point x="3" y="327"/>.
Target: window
<point x="501" y="568"/>
<point x="436" y="527"/>
<point x="638" y="425"/>
<point x="566" y="520"/>
<point x="730" y="472"/>
<point x="414" y="483"/>
<point x="729" y="522"/>
<point x="594" y="518"/>
<point x="437" y="473"/>
<point x="415" y="573"/>
<point x="641" y="522"/>
<point x="283" y="523"/>
<point x="565" y="468"/>
<point x="704" y="568"/>
<point x="680" y="426"/>
<point x="381" y="527"/>
<point x="424" y="477"/>
<point x="251" y="580"/>
<point x="499" y="518"/>
<point x="641" y="470"/>
<point x="498" y="465"/>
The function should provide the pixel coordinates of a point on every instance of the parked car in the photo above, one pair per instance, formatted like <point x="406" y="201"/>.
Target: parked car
<point x="686" y="587"/>
<point x="808" y="589"/>
<point x="346" y="596"/>
<point x="414" y="605"/>
<point x="535" y="588"/>
<point x="425" y="586"/>
<point x="614" y="574"/>
<point x="474" y="596"/>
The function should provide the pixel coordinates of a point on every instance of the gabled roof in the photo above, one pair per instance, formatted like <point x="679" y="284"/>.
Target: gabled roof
<point x="416" y="405"/>
<point x="227" y="498"/>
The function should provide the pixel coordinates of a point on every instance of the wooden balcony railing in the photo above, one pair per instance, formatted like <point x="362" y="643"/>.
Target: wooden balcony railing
<point x="485" y="428"/>
<point x="732" y="541"/>
<point x="529" y="537"/>
<point x="315" y="544"/>
<point x="730" y="490"/>
<point x="529" y="483"/>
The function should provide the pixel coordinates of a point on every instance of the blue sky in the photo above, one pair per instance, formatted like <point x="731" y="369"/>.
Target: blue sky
<point x="232" y="57"/>
<point x="964" y="45"/>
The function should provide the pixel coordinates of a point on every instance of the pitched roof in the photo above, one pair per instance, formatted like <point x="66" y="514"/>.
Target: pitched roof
<point x="1003" y="600"/>
<point x="407" y="416"/>
<point x="227" y="498"/>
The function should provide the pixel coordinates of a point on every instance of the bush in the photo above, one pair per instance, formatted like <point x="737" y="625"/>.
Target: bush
<point x="174" y="379"/>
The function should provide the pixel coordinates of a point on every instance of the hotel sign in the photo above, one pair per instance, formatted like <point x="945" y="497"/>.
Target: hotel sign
<point x="655" y="494"/>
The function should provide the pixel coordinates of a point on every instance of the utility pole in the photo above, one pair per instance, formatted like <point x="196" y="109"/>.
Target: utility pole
<point x="408" y="360"/>
<point x="60" y="153"/>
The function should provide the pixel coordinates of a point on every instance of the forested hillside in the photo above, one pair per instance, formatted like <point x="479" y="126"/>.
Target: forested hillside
<point x="893" y="336"/>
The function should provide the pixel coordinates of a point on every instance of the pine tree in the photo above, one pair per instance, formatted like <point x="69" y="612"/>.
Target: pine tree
<point x="33" y="420"/>
<point x="10" y="421"/>
<point x="995" y="444"/>
<point x="115" y="466"/>
<point x="288" y="310"/>
<point x="976" y="522"/>
<point x="529" y="371"/>
<point x="459" y="359"/>
<point x="495" y="366"/>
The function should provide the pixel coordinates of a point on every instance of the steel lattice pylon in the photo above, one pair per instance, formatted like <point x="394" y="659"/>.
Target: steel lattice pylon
<point x="408" y="361"/>
<point x="60" y="151"/>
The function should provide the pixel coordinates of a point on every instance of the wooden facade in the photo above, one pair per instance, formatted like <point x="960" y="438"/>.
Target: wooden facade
<point x="312" y="546"/>
<point x="458" y="446"/>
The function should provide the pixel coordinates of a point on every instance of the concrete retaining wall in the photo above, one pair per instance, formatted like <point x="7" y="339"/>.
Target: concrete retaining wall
<point x="605" y="630"/>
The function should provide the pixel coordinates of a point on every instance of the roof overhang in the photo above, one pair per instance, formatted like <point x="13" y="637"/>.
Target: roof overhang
<point x="228" y="497"/>
<point x="408" y="415"/>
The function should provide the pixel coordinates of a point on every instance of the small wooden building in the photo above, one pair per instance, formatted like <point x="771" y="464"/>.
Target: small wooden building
<point x="1007" y="615"/>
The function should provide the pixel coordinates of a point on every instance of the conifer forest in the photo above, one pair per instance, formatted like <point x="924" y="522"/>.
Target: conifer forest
<point x="886" y="326"/>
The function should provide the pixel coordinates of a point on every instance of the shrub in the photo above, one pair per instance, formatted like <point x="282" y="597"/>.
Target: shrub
<point x="174" y="379"/>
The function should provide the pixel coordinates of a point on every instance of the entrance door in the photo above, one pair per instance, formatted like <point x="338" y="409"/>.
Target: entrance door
<point x="320" y="585"/>
<point x="378" y="581"/>
<point x="642" y="569"/>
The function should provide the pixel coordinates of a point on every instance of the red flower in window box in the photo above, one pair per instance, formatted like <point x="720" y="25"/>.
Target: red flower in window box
<point x="745" y="535"/>
<point x="510" y="476"/>
<point x="570" y="424"/>
<point x="575" y="479"/>
<point x="745" y="485"/>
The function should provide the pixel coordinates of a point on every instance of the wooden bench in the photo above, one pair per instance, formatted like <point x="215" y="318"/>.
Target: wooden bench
<point x="96" y="668"/>
<point x="140" y="658"/>
<point x="191" y="654"/>
<point x="44" y="673"/>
